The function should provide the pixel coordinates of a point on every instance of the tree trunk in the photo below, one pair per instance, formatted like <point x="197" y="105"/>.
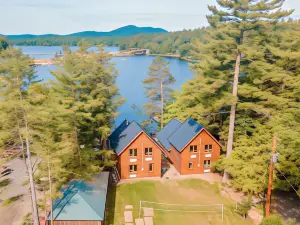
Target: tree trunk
<point x="162" y="105"/>
<point x="31" y="180"/>
<point x="232" y="113"/>
<point x="50" y="190"/>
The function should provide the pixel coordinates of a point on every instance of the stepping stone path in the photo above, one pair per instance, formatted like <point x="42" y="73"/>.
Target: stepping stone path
<point x="148" y="220"/>
<point x="129" y="207"/>
<point x="128" y="217"/>
<point x="139" y="222"/>
<point x="148" y="212"/>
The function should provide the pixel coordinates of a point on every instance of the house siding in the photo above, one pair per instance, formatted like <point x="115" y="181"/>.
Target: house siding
<point x="175" y="158"/>
<point x="141" y="160"/>
<point x="202" y="139"/>
<point x="65" y="222"/>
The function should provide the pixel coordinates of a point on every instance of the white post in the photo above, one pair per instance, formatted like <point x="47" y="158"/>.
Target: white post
<point x="222" y="212"/>
<point x="140" y="209"/>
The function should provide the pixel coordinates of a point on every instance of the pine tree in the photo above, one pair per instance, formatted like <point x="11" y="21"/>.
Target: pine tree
<point x="268" y="102"/>
<point x="86" y="88"/>
<point x="16" y="76"/>
<point x="242" y="17"/>
<point x="158" y="89"/>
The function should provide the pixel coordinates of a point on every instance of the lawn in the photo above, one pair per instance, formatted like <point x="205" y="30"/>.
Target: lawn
<point x="193" y="191"/>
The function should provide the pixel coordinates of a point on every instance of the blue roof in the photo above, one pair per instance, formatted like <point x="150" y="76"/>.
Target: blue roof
<point x="123" y="135"/>
<point x="166" y="132"/>
<point x="83" y="200"/>
<point x="184" y="134"/>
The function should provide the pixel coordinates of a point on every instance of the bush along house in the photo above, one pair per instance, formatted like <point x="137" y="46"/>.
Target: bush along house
<point x="138" y="154"/>
<point x="189" y="147"/>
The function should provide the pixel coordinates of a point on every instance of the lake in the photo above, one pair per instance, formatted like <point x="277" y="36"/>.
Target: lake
<point x="132" y="71"/>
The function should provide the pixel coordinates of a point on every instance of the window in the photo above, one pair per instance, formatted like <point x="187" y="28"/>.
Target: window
<point x="151" y="167"/>
<point x="206" y="163"/>
<point x="132" y="168"/>
<point x="208" y="148"/>
<point x="193" y="148"/>
<point x="133" y="152"/>
<point x="190" y="165"/>
<point x="148" y="151"/>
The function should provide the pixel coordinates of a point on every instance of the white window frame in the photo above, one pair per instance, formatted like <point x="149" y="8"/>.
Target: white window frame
<point x="134" y="150"/>
<point x="152" y="167"/>
<point x="147" y="151"/>
<point x="192" y="148"/>
<point x="207" y="165"/>
<point x="133" y="166"/>
<point x="208" y="148"/>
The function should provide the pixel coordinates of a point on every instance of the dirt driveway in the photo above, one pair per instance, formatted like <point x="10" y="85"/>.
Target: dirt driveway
<point x="13" y="214"/>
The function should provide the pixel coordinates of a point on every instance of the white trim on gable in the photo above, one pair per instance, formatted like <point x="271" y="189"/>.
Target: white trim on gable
<point x="203" y="129"/>
<point x="160" y="148"/>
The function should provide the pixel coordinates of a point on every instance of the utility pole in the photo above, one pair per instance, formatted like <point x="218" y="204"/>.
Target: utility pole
<point x="268" y="204"/>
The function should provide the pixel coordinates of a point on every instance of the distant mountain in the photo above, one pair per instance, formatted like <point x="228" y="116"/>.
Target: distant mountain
<point x="122" y="31"/>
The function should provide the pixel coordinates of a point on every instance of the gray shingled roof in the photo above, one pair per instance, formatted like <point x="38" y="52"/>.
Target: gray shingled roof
<point x="83" y="200"/>
<point x="184" y="134"/>
<point x="123" y="135"/>
<point x="166" y="132"/>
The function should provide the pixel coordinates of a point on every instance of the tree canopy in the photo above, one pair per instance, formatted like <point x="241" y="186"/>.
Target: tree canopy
<point x="268" y="101"/>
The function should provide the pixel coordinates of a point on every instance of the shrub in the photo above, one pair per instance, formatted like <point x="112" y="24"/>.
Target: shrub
<point x="275" y="220"/>
<point x="244" y="206"/>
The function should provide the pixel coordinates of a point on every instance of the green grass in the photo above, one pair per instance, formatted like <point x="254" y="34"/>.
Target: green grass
<point x="11" y="200"/>
<point x="191" y="191"/>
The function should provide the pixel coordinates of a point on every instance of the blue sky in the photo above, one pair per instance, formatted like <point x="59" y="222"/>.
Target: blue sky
<point x="68" y="16"/>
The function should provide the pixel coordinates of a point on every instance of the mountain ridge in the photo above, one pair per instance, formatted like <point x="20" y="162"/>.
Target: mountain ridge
<point x="129" y="30"/>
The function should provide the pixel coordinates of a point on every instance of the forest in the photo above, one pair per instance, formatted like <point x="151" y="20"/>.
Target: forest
<point x="158" y="43"/>
<point x="62" y="121"/>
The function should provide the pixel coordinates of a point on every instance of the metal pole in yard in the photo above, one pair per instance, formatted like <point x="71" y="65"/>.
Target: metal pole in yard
<point x="140" y="209"/>
<point x="222" y="212"/>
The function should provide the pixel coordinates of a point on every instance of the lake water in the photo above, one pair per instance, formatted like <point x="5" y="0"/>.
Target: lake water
<point x="132" y="71"/>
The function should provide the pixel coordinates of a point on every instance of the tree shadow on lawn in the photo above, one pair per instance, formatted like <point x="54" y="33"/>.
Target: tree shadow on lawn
<point x="287" y="204"/>
<point x="110" y="205"/>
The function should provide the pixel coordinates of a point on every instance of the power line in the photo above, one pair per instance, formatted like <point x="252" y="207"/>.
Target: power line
<point x="288" y="181"/>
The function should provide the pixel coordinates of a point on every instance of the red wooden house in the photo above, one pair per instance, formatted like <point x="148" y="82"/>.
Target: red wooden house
<point x="138" y="155"/>
<point x="190" y="147"/>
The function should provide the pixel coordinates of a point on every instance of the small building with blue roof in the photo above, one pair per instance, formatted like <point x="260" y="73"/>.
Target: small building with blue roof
<point x="189" y="146"/>
<point x="82" y="202"/>
<point x="138" y="154"/>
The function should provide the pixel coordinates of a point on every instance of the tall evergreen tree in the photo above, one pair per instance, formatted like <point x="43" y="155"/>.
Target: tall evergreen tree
<point x="86" y="87"/>
<point x="242" y="17"/>
<point x="158" y="89"/>
<point x="16" y="76"/>
<point x="268" y="102"/>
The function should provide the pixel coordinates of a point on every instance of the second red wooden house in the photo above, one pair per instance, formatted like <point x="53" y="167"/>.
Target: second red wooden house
<point x="190" y="147"/>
